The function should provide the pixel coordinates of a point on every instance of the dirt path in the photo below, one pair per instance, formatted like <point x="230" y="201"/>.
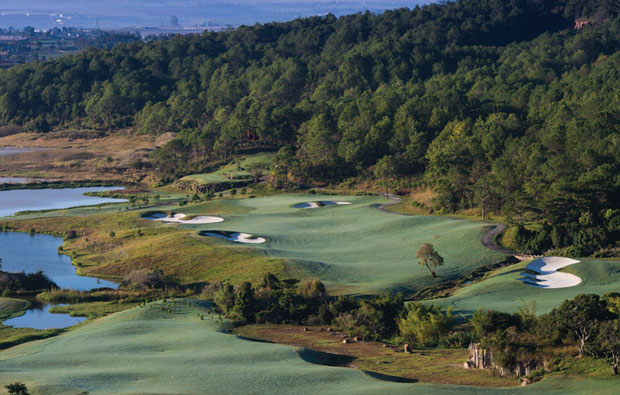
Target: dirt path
<point x="396" y="200"/>
<point x="488" y="240"/>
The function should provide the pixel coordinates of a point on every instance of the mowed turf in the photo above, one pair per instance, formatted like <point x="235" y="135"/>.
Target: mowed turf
<point x="167" y="348"/>
<point x="150" y="350"/>
<point x="355" y="249"/>
<point x="502" y="291"/>
<point x="238" y="170"/>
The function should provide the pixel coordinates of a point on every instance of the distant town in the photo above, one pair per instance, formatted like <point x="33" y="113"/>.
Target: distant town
<point x="28" y="45"/>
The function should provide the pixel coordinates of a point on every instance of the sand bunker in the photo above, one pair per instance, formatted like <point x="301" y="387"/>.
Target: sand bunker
<point x="179" y="218"/>
<point x="235" y="236"/>
<point x="548" y="275"/>
<point x="319" y="204"/>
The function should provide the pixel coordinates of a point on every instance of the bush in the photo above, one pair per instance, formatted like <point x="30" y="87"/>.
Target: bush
<point x="144" y="278"/>
<point x="486" y="322"/>
<point x="17" y="389"/>
<point x="457" y="339"/>
<point x="311" y="289"/>
<point x="425" y="326"/>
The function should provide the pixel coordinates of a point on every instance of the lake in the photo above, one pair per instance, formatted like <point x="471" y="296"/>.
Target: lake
<point x="31" y="253"/>
<point x="39" y="317"/>
<point x="13" y="201"/>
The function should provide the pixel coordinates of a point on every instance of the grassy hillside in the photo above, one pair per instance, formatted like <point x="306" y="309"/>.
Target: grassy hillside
<point x="354" y="249"/>
<point x="168" y="348"/>
<point x="236" y="170"/>
<point x="10" y="307"/>
<point x="139" y="243"/>
<point x="503" y="292"/>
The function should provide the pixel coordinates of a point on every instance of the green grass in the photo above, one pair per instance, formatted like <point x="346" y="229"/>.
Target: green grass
<point x="10" y="307"/>
<point x="501" y="291"/>
<point x="168" y="348"/>
<point x="180" y="253"/>
<point x="354" y="249"/>
<point x="234" y="171"/>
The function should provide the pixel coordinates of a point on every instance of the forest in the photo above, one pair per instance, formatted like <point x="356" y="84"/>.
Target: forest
<point x="508" y="106"/>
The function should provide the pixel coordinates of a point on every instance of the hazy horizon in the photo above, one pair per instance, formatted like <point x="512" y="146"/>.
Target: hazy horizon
<point x="114" y="14"/>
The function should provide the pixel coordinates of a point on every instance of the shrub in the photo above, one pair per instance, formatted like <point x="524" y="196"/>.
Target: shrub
<point x="457" y="339"/>
<point x="144" y="278"/>
<point x="485" y="322"/>
<point x="312" y="288"/>
<point x="425" y="325"/>
<point x="17" y="389"/>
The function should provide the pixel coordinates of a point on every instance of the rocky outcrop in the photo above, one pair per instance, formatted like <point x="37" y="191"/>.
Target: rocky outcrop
<point x="481" y="358"/>
<point x="581" y="22"/>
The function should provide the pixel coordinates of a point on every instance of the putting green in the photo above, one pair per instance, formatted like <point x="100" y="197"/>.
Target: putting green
<point x="502" y="291"/>
<point x="355" y="249"/>
<point x="171" y="350"/>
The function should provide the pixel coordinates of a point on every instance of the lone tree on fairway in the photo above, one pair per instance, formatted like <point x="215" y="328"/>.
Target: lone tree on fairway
<point x="429" y="258"/>
<point x="385" y="169"/>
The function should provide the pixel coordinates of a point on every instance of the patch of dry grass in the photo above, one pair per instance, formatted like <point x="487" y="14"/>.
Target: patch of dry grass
<point x="138" y="244"/>
<point x="78" y="155"/>
<point x="442" y="366"/>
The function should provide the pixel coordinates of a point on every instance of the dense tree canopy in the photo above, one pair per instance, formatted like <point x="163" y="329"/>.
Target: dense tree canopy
<point x="502" y="105"/>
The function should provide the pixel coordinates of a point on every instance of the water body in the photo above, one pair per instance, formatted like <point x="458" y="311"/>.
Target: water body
<point x="13" y="180"/>
<point x="5" y="151"/>
<point x="14" y="201"/>
<point x="39" y="317"/>
<point x="33" y="253"/>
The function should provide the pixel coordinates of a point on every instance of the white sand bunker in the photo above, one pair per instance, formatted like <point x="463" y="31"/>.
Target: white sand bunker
<point x="319" y="204"/>
<point x="548" y="275"/>
<point x="180" y="218"/>
<point x="235" y="236"/>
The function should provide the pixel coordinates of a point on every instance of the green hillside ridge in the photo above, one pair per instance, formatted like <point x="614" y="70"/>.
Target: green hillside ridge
<point x="168" y="348"/>
<point x="236" y="170"/>
<point x="355" y="249"/>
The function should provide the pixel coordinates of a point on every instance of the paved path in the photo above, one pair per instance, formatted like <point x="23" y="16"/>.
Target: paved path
<point x="488" y="240"/>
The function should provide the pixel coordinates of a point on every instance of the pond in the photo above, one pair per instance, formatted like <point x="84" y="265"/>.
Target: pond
<point x="13" y="201"/>
<point x="31" y="253"/>
<point x="39" y="317"/>
<point x="19" y="180"/>
<point x="13" y="180"/>
<point x="4" y="151"/>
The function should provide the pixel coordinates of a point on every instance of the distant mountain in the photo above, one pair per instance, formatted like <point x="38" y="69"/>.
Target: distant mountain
<point x="113" y="14"/>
